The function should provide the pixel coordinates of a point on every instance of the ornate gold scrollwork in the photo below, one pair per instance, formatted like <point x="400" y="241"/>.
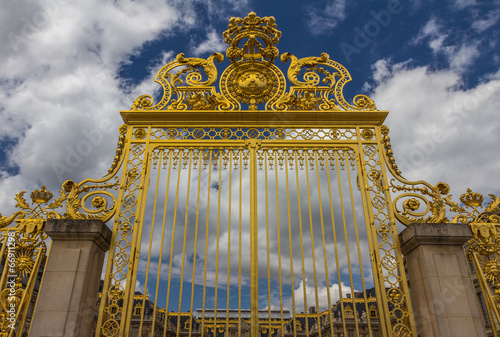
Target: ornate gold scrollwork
<point x="89" y="199"/>
<point x="38" y="198"/>
<point x="79" y="194"/>
<point x="196" y="94"/>
<point x="422" y="202"/>
<point x="252" y="28"/>
<point x="310" y="96"/>
<point x="119" y="150"/>
<point x="388" y="151"/>
<point x="252" y="78"/>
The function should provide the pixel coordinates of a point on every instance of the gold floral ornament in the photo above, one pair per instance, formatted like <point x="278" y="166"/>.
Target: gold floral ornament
<point x="95" y="191"/>
<point x="36" y="210"/>
<point x="484" y="246"/>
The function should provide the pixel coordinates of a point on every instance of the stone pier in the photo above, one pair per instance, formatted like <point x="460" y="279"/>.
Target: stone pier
<point x="443" y="295"/>
<point x="68" y="295"/>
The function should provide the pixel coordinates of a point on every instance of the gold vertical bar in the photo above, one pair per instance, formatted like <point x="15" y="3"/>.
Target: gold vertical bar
<point x="278" y="239"/>
<point x="173" y="231"/>
<point x="195" y="238"/>
<point x="40" y="287"/>
<point x="267" y="240"/>
<point x="301" y="240"/>
<point x="290" y="242"/>
<point x="346" y="240"/>
<point x="229" y="241"/>
<point x="397" y="252"/>
<point x="150" y="245"/>
<point x="372" y="240"/>
<point x="217" y="239"/>
<point x="184" y="241"/>
<point x="160" y="256"/>
<point x="239" y="243"/>
<point x="358" y="244"/>
<point x="206" y="242"/>
<point x="254" y="253"/>
<point x="318" y="181"/>
<point x="311" y="229"/>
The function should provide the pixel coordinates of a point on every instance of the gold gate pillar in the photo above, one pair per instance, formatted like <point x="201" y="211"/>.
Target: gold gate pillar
<point x="443" y="294"/>
<point x="254" y="240"/>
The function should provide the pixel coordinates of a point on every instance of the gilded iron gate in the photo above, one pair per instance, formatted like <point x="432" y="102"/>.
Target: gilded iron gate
<point x="205" y="203"/>
<point x="249" y="211"/>
<point x="254" y="211"/>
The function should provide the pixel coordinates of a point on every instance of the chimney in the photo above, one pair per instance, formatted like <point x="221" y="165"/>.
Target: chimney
<point x="312" y="310"/>
<point x="348" y="295"/>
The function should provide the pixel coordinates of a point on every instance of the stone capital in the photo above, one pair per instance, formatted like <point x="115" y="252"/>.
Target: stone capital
<point x="79" y="230"/>
<point x="416" y="234"/>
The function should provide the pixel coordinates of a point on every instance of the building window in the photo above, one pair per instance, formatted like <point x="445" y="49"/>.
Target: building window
<point x="348" y="312"/>
<point x="137" y="310"/>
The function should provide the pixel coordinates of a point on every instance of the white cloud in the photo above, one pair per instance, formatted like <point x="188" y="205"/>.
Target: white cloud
<point x="463" y="56"/>
<point x="431" y="29"/>
<point x="459" y="56"/>
<point x="485" y="23"/>
<point x="213" y="43"/>
<point x="322" y="291"/>
<point x="440" y="131"/>
<point x="461" y="4"/>
<point x="324" y="20"/>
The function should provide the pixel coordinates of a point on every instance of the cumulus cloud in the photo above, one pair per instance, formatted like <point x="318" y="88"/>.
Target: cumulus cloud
<point x="323" y="293"/>
<point x="213" y="43"/>
<point x="459" y="55"/>
<point x="440" y="130"/>
<point x="322" y="20"/>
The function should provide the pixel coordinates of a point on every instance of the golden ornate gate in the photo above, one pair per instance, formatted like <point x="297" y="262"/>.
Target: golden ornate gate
<point x="253" y="203"/>
<point x="251" y="210"/>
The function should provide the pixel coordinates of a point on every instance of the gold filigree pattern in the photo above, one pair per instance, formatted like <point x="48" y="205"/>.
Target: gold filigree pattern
<point x="22" y="253"/>
<point x="484" y="248"/>
<point x="386" y="253"/>
<point x="119" y="149"/>
<point x="36" y="209"/>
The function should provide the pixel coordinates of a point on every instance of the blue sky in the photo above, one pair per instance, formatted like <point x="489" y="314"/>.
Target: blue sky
<point x="67" y="69"/>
